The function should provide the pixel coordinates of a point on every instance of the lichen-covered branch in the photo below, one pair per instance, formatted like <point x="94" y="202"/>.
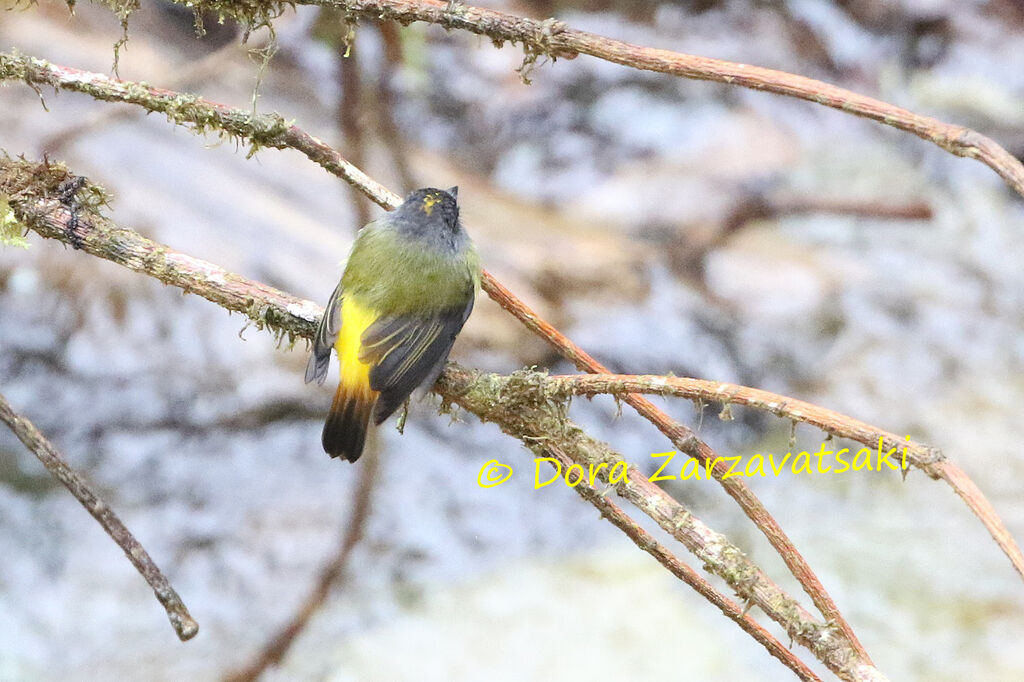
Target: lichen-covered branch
<point x="687" y="442"/>
<point x="204" y="116"/>
<point x="27" y="433"/>
<point x="35" y="194"/>
<point x="554" y="39"/>
<point x="518" y="408"/>
<point x="272" y="131"/>
<point x="926" y="458"/>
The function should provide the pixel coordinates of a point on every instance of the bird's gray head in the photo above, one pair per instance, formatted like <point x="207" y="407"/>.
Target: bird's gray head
<point x="429" y="211"/>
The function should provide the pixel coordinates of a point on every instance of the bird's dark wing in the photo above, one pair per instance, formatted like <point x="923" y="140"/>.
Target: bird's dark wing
<point x="323" y="342"/>
<point x="406" y="351"/>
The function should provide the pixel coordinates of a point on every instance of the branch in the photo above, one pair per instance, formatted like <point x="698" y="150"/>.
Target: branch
<point x="270" y="130"/>
<point x="260" y="130"/>
<point x="27" y="433"/>
<point x="507" y="400"/>
<point x="277" y="647"/>
<point x="553" y="39"/>
<point x="928" y="459"/>
<point x="187" y="75"/>
<point x="760" y="207"/>
<point x="731" y="609"/>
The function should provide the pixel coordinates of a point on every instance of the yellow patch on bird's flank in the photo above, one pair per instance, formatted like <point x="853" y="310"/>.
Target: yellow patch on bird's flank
<point x="429" y="202"/>
<point x="354" y="321"/>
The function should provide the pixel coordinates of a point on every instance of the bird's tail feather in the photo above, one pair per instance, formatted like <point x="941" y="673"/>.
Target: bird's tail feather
<point x="345" y="430"/>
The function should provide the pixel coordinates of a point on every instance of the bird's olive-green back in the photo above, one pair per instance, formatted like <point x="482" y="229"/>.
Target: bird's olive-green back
<point x="397" y="274"/>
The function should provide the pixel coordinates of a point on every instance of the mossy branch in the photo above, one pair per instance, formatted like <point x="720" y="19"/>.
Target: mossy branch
<point x="523" y="407"/>
<point x="36" y="194"/>
<point x="203" y="116"/>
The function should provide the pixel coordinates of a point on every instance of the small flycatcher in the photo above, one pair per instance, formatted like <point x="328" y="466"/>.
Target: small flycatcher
<point x="407" y="289"/>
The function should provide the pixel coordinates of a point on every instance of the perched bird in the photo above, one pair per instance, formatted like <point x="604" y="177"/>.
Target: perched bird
<point x="407" y="289"/>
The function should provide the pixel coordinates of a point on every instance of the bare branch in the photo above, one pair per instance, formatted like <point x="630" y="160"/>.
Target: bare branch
<point x="760" y="207"/>
<point x="27" y="433"/>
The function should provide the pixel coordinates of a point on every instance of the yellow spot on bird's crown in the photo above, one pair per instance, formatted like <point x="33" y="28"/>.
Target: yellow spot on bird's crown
<point x="430" y="201"/>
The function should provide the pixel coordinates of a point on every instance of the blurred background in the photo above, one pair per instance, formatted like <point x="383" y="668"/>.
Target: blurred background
<point x="665" y="225"/>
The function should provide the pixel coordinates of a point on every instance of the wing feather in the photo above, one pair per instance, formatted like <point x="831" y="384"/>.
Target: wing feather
<point x="406" y="351"/>
<point x="326" y="334"/>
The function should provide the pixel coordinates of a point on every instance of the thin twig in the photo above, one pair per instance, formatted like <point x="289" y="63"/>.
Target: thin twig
<point x="871" y="209"/>
<point x="758" y="207"/>
<point x="274" y="651"/>
<point x="27" y="433"/>
<point x="349" y="115"/>
<point x="384" y="106"/>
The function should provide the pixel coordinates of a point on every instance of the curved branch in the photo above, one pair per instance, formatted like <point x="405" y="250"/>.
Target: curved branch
<point x="928" y="459"/>
<point x="182" y="622"/>
<point x="274" y="651"/>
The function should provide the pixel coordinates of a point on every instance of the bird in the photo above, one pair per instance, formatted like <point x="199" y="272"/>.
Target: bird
<point x="406" y="291"/>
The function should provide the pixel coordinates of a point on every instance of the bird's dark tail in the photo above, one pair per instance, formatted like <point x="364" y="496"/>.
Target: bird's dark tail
<point x="345" y="430"/>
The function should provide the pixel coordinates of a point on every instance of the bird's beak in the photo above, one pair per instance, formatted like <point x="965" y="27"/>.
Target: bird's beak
<point x="454" y="191"/>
